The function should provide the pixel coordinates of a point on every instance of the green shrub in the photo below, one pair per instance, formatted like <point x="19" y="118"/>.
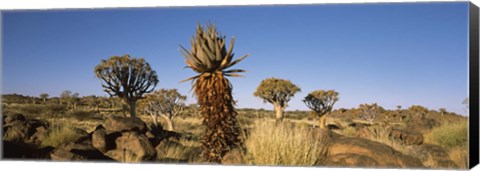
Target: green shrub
<point x="450" y="135"/>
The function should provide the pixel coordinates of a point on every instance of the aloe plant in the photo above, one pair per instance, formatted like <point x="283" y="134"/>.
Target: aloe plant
<point x="211" y="59"/>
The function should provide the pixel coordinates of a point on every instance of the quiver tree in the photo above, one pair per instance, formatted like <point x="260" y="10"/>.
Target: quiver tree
<point x="44" y="97"/>
<point x="167" y="103"/>
<point x="277" y="92"/>
<point x="321" y="102"/>
<point x="126" y="77"/>
<point x="210" y="58"/>
<point x="70" y="98"/>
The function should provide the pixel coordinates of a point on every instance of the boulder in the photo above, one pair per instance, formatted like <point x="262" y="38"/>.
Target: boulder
<point x="124" y="124"/>
<point x="84" y="149"/>
<point x="233" y="157"/>
<point x="99" y="139"/>
<point x="406" y="137"/>
<point x="383" y="155"/>
<point x="20" y="129"/>
<point x="16" y="131"/>
<point x="351" y="160"/>
<point x="39" y="135"/>
<point x="13" y="117"/>
<point x="64" y="155"/>
<point x="137" y="144"/>
<point x="435" y="156"/>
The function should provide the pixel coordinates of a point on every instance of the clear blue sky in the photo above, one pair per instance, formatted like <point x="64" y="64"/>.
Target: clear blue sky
<point x="392" y="54"/>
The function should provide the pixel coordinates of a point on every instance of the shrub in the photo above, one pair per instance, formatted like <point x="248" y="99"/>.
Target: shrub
<point x="59" y="135"/>
<point x="449" y="135"/>
<point x="283" y="144"/>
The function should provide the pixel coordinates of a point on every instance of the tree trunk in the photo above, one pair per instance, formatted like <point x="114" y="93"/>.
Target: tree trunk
<point x="278" y="113"/>
<point x="132" y="109"/>
<point x="321" y="122"/>
<point x="170" y="124"/>
<point x="154" y="119"/>
<point x="169" y="120"/>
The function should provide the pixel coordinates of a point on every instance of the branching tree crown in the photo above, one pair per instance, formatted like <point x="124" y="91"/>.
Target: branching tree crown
<point x="321" y="101"/>
<point x="167" y="103"/>
<point x="126" y="77"/>
<point x="44" y="97"/>
<point x="369" y="111"/>
<point x="277" y="92"/>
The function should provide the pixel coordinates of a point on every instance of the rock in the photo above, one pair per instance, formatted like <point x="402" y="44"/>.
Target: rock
<point x="17" y="150"/>
<point x="435" y="156"/>
<point x="14" y="117"/>
<point x="24" y="130"/>
<point x="234" y="157"/>
<point x="383" y="155"/>
<point x="99" y="139"/>
<point x="16" y="131"/>
<point x="63" y="155"/>
<point x="351" y="160"/>
<point x="84" y="149"/>
<point x="137" y="144"/>
<point x="38" y="136"/>
<point x="123" y="124"/>
<point x="406" y="137"/>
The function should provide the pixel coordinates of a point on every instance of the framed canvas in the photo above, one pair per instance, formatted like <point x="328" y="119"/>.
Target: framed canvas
<point x="386" y="85"/>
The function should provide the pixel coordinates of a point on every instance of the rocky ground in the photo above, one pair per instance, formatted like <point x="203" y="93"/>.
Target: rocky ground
<point x="349" y="142"/>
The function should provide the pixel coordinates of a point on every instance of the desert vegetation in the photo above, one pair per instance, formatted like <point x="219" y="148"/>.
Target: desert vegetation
<point x="125" y="126"/>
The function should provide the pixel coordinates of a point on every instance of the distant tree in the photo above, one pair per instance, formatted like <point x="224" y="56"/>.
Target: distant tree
<point x="369" y="111"/>
<point x="44" y="97"/>
<point x="399" y="107"/>
<point x="466" y="102"/>
<point x="321" y="102"/>
<point x="74" y="100"/>
<point x="443" y="111"/>
<point x="128" y="78"/>
<point x="65" y="97"/>
<point x="167" y="103"/>
<point x="277" y="92"/>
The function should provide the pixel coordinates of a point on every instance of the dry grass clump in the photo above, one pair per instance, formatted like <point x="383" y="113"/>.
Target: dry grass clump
<point x="58" y="135"/>
<point x="449" y="135"/>
<point x="454" y="138"/>
<point x="283" y="144"/>
<point x="181" y="151"/>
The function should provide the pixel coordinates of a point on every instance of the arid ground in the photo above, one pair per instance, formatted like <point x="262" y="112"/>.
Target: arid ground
<point x="52" y="129"/>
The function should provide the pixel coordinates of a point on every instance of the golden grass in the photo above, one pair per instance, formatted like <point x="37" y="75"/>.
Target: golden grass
<point x="284" y="144"/>
<point x="449" y="135"/>
<point x="186" y="151"/>
<point x="58" y="135"/>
